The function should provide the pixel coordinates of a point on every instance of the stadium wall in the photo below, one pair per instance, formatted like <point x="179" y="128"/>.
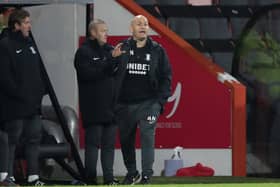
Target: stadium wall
<point x="57" y="28"/>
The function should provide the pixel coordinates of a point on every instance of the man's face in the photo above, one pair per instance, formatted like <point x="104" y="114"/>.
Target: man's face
<point x="139" y="28"/>
<point x="100" y="32"/>
<point x="24" y="26"/>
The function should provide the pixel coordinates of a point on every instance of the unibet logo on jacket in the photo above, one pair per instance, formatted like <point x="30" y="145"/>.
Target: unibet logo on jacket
<point x="138" y="69"/>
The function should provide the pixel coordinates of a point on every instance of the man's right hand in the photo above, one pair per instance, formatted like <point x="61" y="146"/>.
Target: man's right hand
<point x="117" y="51"/>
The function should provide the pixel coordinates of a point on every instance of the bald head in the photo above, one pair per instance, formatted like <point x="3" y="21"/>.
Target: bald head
<point x="139" y="27"/>
<point x="137" y="18"/>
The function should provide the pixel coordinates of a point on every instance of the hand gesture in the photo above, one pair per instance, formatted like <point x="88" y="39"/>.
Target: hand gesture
<point x="117" y="51"/>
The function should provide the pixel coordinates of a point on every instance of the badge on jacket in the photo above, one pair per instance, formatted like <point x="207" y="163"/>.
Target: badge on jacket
<point x="32" y="50"/>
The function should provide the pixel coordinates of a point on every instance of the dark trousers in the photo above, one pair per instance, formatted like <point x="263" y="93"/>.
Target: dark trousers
<point x="102" y="136"/>
<point x="145" y="116"/>
<point x="26" y="132"/>
<point x="4" y="152"/>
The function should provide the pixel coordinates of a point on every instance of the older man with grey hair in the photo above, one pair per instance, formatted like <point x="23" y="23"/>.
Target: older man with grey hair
<point x="96" y="69"/>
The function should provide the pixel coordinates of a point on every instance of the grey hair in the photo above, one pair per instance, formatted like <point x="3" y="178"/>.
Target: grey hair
<point x="93" y="23"/>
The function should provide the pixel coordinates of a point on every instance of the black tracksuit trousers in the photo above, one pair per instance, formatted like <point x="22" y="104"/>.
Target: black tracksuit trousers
<point x="103" y="137"/>
<point x="26" y="132"/>
<point x="4" y="152"/>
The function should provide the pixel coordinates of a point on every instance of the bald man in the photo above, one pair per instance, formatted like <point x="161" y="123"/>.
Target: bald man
<point x="145" y="85"/>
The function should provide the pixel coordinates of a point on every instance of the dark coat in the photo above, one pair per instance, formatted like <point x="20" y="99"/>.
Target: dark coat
<point x="21" y="82"/>
<point x="95" y="69"/>
<point x="160" y="69"/>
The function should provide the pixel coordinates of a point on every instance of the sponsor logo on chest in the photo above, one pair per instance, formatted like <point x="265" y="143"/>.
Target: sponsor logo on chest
<point x="139" y="68"/>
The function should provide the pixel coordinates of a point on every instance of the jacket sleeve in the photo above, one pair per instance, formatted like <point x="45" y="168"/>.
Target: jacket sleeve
<point x="87" y="70"/>
<point x="8" y="84"/>
<point x="112" y="65"/>
<point x="165" y="76"/>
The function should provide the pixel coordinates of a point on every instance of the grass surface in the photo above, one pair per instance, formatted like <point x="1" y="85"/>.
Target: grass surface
<point x="210" y="180"/>
<point x="208" y="185"/>
<point x="201" y="181"/>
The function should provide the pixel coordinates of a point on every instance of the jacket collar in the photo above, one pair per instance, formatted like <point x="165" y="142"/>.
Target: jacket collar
<point x="94" y="44"/>
<point x="17" y="35"/>
<point x="149" y="44"/>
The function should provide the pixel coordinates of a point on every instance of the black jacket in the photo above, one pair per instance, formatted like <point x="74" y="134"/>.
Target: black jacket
<point x="21" y="82"/>
<point x="95" y="69"/>
<point x="160" y="69"/>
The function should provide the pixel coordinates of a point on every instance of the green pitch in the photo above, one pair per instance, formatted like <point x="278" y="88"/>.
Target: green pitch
<point x="204" y="185"/>
<point x="201" y="182"/>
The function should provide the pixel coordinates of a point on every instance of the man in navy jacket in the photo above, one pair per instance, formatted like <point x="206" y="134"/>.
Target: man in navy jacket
<point x="96" y="69"/>
<point x="22" y="89"/>
<point x="144" y="87"/>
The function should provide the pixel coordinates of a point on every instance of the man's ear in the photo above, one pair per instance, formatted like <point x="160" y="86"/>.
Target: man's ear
<point x="93" y="33"/>
<point x="130" y="29"/>
<point x="17" y="26"/>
